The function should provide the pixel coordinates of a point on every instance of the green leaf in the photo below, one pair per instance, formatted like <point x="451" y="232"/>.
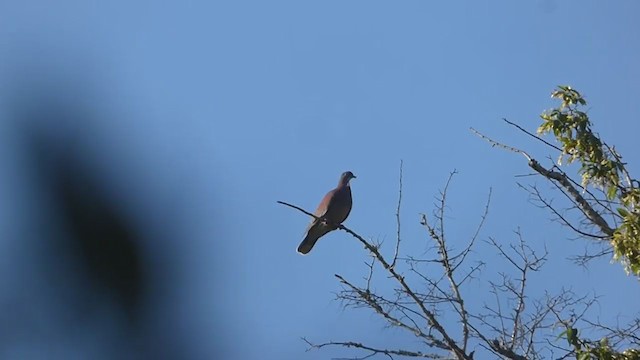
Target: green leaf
<point x="623" y="212"/>
<point x="572" y="336"/>
<point x="584" y="356"/>
<point x="562" y="334"/>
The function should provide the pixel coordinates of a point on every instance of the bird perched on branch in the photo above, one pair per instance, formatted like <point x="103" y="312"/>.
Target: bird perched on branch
<point x="332" y="211"/>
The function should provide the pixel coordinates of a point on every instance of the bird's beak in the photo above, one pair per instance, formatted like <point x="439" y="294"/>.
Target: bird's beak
<point x="353" y="176"/>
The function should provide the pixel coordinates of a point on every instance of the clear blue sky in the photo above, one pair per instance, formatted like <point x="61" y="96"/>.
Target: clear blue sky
<point x="217" y="109"/>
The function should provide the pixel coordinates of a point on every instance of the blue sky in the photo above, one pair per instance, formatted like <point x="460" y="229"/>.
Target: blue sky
<point x="216" y="110"/>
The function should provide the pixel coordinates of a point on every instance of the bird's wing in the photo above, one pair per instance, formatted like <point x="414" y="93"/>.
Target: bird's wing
<point x="339" y="205"/>
<point x="315" y="232"/>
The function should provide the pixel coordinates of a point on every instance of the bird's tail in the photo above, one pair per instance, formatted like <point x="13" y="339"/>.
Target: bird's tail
<point x="315" y="232"/>
<point x="306" y="245"/>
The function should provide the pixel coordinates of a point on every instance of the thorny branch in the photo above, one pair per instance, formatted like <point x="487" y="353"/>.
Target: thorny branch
<point x="438" y="236"/>
<point x="432" y="321"/>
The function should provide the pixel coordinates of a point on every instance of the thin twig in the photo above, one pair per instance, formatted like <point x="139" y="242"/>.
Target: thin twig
<point x="563" y="180"/>
<point x="584" y="205"/>
<point x="500" y="145"/>
<point x="463" y="254"/>
<point x="532" y="135"/>
<point x="395" y="255"/>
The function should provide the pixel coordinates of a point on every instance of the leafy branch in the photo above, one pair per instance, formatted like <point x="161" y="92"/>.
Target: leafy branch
<point x="601" y="167"/>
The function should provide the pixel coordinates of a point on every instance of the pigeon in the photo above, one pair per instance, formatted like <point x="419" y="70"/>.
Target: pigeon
<point x="332" y="211"/>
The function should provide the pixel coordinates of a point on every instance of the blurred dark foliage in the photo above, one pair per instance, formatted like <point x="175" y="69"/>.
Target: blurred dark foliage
<point x="91" y="256"/>
<point x="84" y="274"/>
<point x="105" y="244"/>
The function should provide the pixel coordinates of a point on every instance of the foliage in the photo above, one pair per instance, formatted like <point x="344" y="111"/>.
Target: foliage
<point x="601" y="166"/>
<point x="601" y="350"/>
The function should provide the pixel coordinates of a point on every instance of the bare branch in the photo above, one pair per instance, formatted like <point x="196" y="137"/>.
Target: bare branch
<point x="532" y="135"/>
<point x="457" y="300"/>
<point x="395" y="255"/>
<point x="374" y="351"/>
<point x="563" y="180"/>
<point x="584" y="205"/>
<point x="629" y="334"/>
<point x="500" y="145"/>
<point x="371" y="300"/>
<point x="432" y="322"/>
<point x="586" y="257"/>
<point x="463" y="254"/>
<point x="547" y="204"/>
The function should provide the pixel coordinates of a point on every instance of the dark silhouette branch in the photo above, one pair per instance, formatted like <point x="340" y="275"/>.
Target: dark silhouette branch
<point x="395" y="255"/>
<point x="584" y="205"/>
<point x="438" y="236"/>
<point x="532" y="135"/>
<point x="432" y="321"/>
<point x="563" y="181"/>
<point x="374" y="351"/>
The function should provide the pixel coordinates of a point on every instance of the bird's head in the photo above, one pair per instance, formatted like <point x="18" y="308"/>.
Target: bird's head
<point x="345" y="177"/>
